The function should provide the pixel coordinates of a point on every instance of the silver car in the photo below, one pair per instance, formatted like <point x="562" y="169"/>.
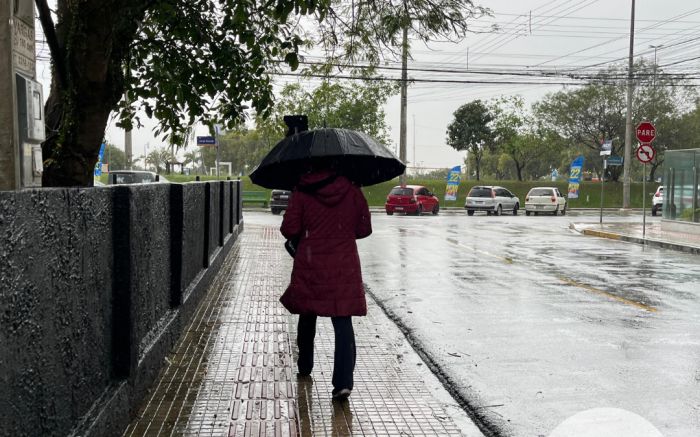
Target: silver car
<point x="492" y="199"/>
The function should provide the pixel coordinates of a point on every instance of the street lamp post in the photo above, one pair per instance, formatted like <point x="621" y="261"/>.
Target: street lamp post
<point x="628" y="123"/>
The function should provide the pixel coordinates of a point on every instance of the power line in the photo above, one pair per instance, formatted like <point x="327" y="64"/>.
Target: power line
<point x="685" y="14"/>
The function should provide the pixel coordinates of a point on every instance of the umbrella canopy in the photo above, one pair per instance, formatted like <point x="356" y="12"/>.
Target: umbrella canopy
<point x="354" y="154"/>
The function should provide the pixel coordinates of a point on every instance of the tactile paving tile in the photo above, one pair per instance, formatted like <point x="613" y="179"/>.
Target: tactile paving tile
<point x="233" y="372"/>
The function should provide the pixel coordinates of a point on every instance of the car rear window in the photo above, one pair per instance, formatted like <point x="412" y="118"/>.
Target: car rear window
<point x="541" y="192"/>
<point x="480" y="192"/>
<point x="398" y="191"/>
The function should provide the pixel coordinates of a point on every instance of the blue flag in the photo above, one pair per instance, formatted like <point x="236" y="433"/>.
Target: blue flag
<point x="453" y="178"/>
<point x="98" y="165"/>
<point x="575" y="177"/>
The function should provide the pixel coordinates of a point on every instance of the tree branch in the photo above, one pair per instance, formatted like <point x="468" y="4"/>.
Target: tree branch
<point x="50" y="33"/>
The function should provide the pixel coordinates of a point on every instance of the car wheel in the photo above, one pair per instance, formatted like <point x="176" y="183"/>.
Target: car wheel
<point x="563" y="211"/>
<point x="653" y="211"/>
<point x="498" y="210"/>
<point x="390" y="213"/>
<point x="488" y="212"/>
<point x="527" y="212"/>
<point x="537" y="213"/>
<point x="276" y="211"/>
<point x="436" y="209"/>
<point x="515" y="209"/>
<point x="556" y="211"/>
<point x="419" y="211"/>
<point x="470" y="212"/>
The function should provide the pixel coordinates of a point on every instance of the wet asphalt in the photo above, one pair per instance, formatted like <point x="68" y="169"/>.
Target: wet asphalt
<point x="528" y="323"/>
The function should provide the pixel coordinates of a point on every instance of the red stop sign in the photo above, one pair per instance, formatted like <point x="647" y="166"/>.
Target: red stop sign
<point x="646" y="132"/>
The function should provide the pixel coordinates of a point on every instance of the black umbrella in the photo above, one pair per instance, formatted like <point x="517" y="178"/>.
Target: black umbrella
<point x="354" y="154"/>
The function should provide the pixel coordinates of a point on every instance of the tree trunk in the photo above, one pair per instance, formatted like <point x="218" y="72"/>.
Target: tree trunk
<point x="519" y="169"/>
<point x="477" y="161"/>
<point x="92" y="44"/>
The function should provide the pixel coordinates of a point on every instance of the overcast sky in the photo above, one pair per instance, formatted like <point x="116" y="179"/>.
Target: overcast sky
<point x="532" y="36"/>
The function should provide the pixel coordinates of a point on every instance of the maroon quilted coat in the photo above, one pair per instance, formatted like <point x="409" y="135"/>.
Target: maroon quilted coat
<point x="326" y="278"/>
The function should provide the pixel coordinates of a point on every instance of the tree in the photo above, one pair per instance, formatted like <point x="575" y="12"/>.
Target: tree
<point x="158" y="159"/>
<point x="515" y="133"/>
<point x="191" y="157"/>
<point x="587" y="116"/>
<point x="470" y="130"/>
<point x="243" y="148"/>
<point x="114" y="157"/>
<point x="372" y="30"/>
<point x="358" y="106"/>
<point x="181" y="61"/>
<point x="188" y="61"/>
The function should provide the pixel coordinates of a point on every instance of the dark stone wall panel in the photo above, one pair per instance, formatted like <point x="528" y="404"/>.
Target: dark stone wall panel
<point x="150" y="260"/>
<point x="214" y="219"/>
<point x="55" y="307"/>
<point x="193" y="231"/>
<point x="226" y="209"/>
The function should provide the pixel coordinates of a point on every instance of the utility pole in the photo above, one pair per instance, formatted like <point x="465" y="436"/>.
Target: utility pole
<point x="127" y="149"/>
<point x="404" y="84"/>
<point x="628" y="124"/>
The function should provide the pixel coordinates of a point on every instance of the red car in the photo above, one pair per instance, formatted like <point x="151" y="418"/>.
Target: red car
<point x="411" y="199"/>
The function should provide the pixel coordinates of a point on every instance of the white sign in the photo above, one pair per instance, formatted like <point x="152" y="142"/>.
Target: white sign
<point x="606" y="148"/>
<point x="23" y="47"/>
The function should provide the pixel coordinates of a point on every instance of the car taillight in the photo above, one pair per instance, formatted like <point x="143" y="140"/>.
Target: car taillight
<point x="553" y="199"/>
<point x="412" y="200"/>
<point x="657" y="195"/>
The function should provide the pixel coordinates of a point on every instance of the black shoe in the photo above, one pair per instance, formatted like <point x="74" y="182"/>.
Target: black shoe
<point x="342" y="394"/>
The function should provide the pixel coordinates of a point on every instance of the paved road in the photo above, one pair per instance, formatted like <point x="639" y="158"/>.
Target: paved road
<point x="531" y="323"/>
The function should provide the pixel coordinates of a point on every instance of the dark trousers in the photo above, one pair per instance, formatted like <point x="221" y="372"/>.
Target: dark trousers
<point x="344" y="357"/>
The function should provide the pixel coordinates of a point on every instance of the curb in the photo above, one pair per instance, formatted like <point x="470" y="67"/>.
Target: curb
<point x="695" y="250"/>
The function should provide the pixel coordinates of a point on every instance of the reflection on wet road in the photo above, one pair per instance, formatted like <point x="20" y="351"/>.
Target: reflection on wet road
<point x="533" y="323"/>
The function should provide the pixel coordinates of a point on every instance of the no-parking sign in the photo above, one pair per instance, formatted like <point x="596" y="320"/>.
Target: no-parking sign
<point x="645" y="153"/>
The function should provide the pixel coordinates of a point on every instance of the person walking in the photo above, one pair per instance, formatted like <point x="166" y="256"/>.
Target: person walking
<point x="326" y="214"/>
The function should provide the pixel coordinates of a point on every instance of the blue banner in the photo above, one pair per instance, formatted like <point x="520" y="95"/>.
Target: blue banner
<point x="575" y="177"/>
<point x="98" y="165"/>
<point x="453" y="178"/>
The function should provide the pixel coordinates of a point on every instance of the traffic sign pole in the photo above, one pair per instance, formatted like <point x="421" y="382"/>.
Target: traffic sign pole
<point x="602" y="183"/>
<point x="646" y="133"/>
<point x="644" y="201"/>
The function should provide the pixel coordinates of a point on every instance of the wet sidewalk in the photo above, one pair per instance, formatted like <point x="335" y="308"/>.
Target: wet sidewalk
<point x="654" y="235"/>
<point x="233" y="373"/>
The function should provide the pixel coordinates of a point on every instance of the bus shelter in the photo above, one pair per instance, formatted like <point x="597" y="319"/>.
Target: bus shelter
<point x="682" y="187"/>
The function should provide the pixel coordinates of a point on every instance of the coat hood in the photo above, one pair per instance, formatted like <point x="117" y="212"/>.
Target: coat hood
<point x="326" y="186"/>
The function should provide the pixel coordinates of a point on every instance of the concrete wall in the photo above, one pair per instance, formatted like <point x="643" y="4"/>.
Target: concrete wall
<point x="95" y="288"/>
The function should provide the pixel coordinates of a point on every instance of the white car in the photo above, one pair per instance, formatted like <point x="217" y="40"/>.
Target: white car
<point x="545" y="200"/>
<point x="657" y="202"/>
<point x="491" y="199"/>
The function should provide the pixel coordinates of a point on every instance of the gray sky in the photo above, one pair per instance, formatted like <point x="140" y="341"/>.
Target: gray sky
<point x="533" y="36"/>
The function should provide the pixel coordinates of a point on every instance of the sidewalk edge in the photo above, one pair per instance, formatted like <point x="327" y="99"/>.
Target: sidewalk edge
<point x="632" y="239"/>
